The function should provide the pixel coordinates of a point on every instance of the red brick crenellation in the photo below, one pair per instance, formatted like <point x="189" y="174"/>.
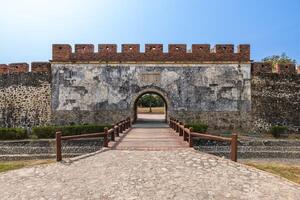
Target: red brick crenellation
<point x="265" y="67"/>
<point x="40" y="67"/>
<point x="18" y="67"/>
<point x="285" y="68"/>
<point x="153" y="52"/>
<point x="4" y="69"/>
<point x="261" y="67"/>
<point x="24" y="67"/>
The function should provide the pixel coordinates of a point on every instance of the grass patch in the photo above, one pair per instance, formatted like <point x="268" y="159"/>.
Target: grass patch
<point x="290" y="172"/>
<point x="12" y="165"/>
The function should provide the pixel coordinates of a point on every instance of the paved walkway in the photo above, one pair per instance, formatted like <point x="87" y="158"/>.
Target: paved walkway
<point x="178" y="174"/>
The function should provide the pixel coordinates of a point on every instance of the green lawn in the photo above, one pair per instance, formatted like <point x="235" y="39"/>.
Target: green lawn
<point x="11" y="165"/>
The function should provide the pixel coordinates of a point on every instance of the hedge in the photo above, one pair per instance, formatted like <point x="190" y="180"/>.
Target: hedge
<point x="49" y="131"/>
<point x="13" y="134"/>
<point x="198" y="127"/>
<point x="277" y="131"/>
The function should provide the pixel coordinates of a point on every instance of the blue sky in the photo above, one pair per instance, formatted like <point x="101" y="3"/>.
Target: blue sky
<point x="29" y="27"/>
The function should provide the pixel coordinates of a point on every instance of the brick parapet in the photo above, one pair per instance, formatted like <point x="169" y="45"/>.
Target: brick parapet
<point x="267" y="68"/>
<point x="153" y="52"/>
<point x="24" y="67"/>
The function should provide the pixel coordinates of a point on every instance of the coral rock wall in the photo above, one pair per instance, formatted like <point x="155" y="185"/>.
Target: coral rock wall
<point x="25" y="97"/>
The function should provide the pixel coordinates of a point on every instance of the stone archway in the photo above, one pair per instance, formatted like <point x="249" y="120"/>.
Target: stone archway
<point x="137" y="96"/>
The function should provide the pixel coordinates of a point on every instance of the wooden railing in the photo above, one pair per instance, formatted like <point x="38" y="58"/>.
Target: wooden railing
<point x="188" y="135"/>
<point x="107" y="135"/>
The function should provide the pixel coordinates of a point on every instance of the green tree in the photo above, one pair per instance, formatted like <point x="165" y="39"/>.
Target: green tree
<point x="279" y="59"/>
<point x="150" y="100"/>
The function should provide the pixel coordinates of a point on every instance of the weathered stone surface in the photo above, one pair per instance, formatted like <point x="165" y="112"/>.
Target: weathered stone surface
<point x="107" y="92"/>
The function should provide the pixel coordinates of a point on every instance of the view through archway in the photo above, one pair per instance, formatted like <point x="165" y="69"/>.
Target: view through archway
<point x="150" y="107"/>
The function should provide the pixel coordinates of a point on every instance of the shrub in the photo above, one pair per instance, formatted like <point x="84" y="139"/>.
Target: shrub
<point x="276" y="131"/>
<point x="227" y="132"/>
<point x="13" y="134"/>
<point x="49" y="131"/>
<point x="198" y="127"/>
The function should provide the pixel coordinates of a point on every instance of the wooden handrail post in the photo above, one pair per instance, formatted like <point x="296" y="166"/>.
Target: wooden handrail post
<point x="190" y="137"/>
<point x="180" y="129"/>
<point x="58" y="146"/>
<point x="105" y="139"/>
<point x="177" y="126"/>
<point x="185" y="134"/>
<point x="130" y="122"/>
<point x="233" y="147"/>
<point x="113" y="133"/>
<point x="121" y="127"/>
<point x="117" y="130"/>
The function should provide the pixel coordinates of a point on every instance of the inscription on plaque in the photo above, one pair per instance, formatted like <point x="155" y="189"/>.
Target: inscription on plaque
<point x="151" y="77"/>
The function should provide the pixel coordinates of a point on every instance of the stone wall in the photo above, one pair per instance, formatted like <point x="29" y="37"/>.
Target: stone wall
<point x="207" y="85"/>
<point x="275" y="101"/>
<point x="25" y="97"/>
<point x="218" y="94"/>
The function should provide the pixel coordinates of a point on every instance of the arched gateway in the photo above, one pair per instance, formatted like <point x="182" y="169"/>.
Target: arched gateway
<point x="204" y="85"/>
<point x="161" y="94"/>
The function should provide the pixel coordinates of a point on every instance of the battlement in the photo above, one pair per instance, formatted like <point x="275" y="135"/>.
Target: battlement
<point x="153" y="53"/>
<point x="285" y="69"/>
<point x="24" y="67"/>
<point x="262" y="68"/>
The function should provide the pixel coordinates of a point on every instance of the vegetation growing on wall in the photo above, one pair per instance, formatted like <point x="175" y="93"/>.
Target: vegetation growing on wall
<point x="279" y="59"/>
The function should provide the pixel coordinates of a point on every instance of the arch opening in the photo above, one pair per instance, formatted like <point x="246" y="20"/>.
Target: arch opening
<point x="150" y="107"/>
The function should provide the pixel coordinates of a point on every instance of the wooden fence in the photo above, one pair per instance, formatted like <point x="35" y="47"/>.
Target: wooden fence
<point x="188" y="135"/>
<point x="107" y="135"/>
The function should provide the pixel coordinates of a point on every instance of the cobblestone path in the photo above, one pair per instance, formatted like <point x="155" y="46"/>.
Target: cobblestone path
<point x="183" y="174"/>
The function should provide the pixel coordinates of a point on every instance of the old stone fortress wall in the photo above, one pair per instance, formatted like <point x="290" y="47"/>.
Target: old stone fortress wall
<point x="218" y="86"/>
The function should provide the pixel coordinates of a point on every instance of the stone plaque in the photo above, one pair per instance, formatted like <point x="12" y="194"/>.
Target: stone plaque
<point x="150" y="78"/>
